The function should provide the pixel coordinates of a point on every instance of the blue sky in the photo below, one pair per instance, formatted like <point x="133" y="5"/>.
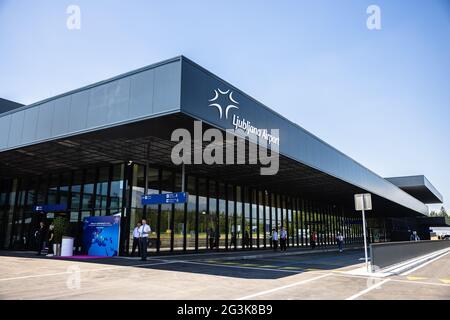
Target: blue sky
<point x="382" y="97"/>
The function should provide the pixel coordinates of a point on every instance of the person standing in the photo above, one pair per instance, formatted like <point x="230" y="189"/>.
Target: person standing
<point x="274" y="239"/>
<point x="283" y="239"/>
<point x="414" y="236"/>
<point x="50" y="239"/>
<point x="246" y="239"/>
<point x="313" y="240"/>
<point x="136" y="240"/>
<point x="212" y="238"/>
<point x="340" y="241"/>
<point x="144" y="231"/>
<point x="40" y="237"/>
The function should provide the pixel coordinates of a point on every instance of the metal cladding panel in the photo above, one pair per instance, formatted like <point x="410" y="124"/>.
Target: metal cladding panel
<point x="5" y="124"/>
<point x="30" y="125"/>
<point x="62" y="113"/>
<point x="167" y="87"/>
<point x="45" y="120"/>
<point x="78" y="111"/>
<point x="16" y="128"/>
<point x="143" y="93"/>
<point x="199" y="91"/>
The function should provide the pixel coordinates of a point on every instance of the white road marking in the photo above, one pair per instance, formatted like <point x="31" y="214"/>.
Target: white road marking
<point x="284" y="287"/>
<point x="424" y="264"/>
<point x="359" y="294"/>
<point x="85" y="271"/>
<point x="340" y="274"/>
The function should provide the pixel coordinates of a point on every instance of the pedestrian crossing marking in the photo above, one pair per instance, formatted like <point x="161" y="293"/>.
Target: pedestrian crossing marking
<point x="415" y="278"/>
<point x="445" y="280"/>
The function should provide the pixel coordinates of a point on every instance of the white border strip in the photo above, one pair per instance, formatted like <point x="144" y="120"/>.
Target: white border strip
<point x="375" y="286"/>
<point x="283" y="287"/>
<point x="424" y="264"/>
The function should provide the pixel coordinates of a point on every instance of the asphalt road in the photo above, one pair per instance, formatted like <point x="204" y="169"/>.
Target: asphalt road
<point x="270" y="276"/>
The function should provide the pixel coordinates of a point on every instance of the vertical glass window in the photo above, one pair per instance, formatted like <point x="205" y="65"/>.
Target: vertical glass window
<point x="137" y="191"/>
<point x="53" y="189"/>
<point x="191" y="213"/>
<point x="255" y="230"/>
<point x="76" y="190"/>
<point x="166" y="211"/>
<point x="231" y="215"/>
<point x="152" y="210"/>
<point x="238" y="217"/>
<point x="10" y="212"/>
<point x="138" y="186"/>
<point x="211" y="215"/>
<point x="261" y="220"/>
<point x="88" y="189"/>
<point x="18" y="216"/>
<point x="178" y="224"/>
<point x="268" y="223"/>
<point x="102" y="190"/>
<point x="203" y="214"/>
<point x="64" y="188"/>
<point x="291" y="222"/>
<point x="28" y="212"/>
<point x="220" y="242"/>
<point x="273" y="210"/>
<point x="116" y="192"/>
<point x="247" y="222"/>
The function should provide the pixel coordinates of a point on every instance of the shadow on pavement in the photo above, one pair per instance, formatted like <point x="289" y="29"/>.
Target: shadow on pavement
<point x="261" y="264"/>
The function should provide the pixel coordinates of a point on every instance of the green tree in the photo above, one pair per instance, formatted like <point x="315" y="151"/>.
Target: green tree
<point x="62" y="227"/>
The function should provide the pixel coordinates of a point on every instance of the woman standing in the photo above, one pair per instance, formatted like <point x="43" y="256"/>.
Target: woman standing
<point x="50" y="239"/>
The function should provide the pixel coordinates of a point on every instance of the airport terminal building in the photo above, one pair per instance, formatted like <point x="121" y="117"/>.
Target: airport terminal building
<point x="96" y="150"/>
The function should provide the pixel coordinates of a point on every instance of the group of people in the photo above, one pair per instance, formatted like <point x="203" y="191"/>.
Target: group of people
<point x="282" y="239"/>
<point x="414" y="236"/>
<point x="140" y="239"/>
<point x="44" y="238"/>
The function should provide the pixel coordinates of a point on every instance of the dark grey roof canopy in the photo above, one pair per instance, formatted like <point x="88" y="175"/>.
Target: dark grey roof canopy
<point x="179" y="86"/>
<point x="419" y="187"/>
<point x="8" y="105"/>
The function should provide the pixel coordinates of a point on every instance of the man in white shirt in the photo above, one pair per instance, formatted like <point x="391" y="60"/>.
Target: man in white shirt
<point x="340" y="241"/>
<point x="144" y="231"/>
<point x="274" y="239"/>
<point x="136" y="240"/>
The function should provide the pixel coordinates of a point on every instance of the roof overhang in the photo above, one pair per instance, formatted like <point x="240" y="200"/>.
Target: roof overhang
<point x="144" y="98"/>
<point x="419" y="187"/>
<point x="8" y="105"/>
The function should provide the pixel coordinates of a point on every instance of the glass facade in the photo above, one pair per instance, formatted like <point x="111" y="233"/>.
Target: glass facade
<point x="217" y="216"/>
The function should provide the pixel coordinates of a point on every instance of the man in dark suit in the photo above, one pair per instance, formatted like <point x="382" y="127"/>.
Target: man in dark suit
<point x="40" y="237"/>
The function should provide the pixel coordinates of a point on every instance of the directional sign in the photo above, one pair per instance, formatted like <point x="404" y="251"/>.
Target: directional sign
<point x="363" y="201"/>
<point x="50" y="208"/>
<point x="165" y="198"/>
